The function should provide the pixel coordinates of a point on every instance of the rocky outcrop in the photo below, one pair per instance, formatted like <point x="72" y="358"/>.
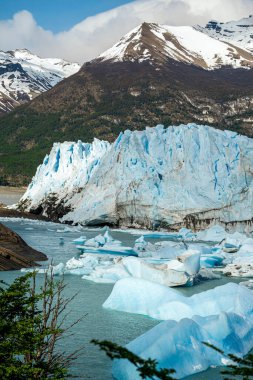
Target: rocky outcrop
<point x="15" y="253"/>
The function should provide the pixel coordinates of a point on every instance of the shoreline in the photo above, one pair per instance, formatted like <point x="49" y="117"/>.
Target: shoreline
<point x="9" y="213"/>
<point x="15" y="189"/>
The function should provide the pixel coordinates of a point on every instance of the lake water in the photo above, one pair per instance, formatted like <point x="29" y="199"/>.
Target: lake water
<point x="10" y="195"/>
<point x="99" y="323"/>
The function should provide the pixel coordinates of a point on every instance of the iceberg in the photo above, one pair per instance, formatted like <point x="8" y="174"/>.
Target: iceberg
<point x="179" y="344"/>
<point x="240" y="263"/>
<point x="104" y="243"/>
<point x="79" y="241"/>
<point x="140" y="296"/>
<point x="162" y="250"/>
<point x="222" y="316"/>
<point x="103" y="267"/>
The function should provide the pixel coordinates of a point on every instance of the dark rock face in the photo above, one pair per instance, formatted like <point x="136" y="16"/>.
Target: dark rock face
<point x="15" y="253"/>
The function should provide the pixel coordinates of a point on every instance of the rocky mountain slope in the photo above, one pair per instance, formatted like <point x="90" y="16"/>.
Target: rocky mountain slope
<point x="239" y="33"/>
<point x="157" y="43"/>
<point x="187" y="175"/>
<point x="155" y="74"/>
<point x="23" y="76"/>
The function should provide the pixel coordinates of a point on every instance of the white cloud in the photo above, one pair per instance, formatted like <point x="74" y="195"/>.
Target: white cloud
<point x="93" y="35"/>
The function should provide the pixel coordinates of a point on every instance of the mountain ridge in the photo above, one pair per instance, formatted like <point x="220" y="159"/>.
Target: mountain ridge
<point x="105" y="97"/>
<point x="24" y="75"/>
<point x="157" y="43"/>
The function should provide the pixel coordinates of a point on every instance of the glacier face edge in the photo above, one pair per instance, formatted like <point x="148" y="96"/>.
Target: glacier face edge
<point x="160" y="177"/>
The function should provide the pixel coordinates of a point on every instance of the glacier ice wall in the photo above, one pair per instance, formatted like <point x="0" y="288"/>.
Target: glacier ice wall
<point x="65" y="171"/>
<point x="159" y="177"/>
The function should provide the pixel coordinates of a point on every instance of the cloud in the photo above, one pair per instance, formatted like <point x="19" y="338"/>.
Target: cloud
<point x="93" y="35"/>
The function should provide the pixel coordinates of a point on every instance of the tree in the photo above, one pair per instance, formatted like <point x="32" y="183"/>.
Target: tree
<point x="31" y="324"/>
<point x="237" y="368"/>
<point x="147" y="368"/>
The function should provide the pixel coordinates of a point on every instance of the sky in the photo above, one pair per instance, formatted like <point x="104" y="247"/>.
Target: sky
<point x="80" y="30"/>
<point x="58" y="15"/>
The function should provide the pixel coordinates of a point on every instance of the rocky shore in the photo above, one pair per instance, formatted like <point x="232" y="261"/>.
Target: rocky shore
<point x="15" y="253"/>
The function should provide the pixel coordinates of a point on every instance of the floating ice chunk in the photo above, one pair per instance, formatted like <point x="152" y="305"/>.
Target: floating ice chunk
<point x="164" y="250"/>
<point x="58" y="269"/>
<point x="240" y="264"/>
<point x="207" y="274"/>
<point x="187" y="234"/>
<point x="172" y="273"/>
<point x="211" y="261"/>
<point x="179" y="345"/>
<point x="91" y="243"/>
<point x="140" y="244"/>
<point x="247" y="246"/>
<point x="108" y="237"/>
<point x="191" y="261"/>
<point x="145" y="297"/>
<point x="238" y="270"/>
<point x="79" y="241"/>
<point x="82" y="266"/>
<point x="169" y="273"/>
<point x="248" y="284"/>
<point x="231" y="245"/>
<point x="64" y="230"/>
<point x="100" y="239"/>
<point x="215" y="233"/>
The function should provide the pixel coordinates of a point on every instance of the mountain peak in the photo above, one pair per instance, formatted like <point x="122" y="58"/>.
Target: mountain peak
<point x="157" y="44"/>
<point x="24" y="75"/>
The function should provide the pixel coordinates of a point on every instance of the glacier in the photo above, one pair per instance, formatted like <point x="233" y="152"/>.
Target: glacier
<point x="181" y="176"/>
<point x="65" y="171"/>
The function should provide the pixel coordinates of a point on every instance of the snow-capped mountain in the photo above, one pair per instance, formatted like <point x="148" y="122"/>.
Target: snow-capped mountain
<point x="157" y="177"/>
<point x="155" y="74"/>
<point x="239" y="33"/>
<point x="24" y="75"/>
<point x="157" y="43"/>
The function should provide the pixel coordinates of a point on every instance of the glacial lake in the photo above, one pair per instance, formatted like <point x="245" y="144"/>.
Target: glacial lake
<point x="10" y="195"/>
<point x="98" y="323"/>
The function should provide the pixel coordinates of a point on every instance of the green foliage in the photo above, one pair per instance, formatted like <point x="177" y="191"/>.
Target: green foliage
<point x="237" y="368"/>
<point x="147" y="368"/>
<point x="31" y="323"/>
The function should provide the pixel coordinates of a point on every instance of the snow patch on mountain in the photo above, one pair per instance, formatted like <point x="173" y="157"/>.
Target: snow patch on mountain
<point x="239" y="33"/>
<point x="24" y="75"/>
